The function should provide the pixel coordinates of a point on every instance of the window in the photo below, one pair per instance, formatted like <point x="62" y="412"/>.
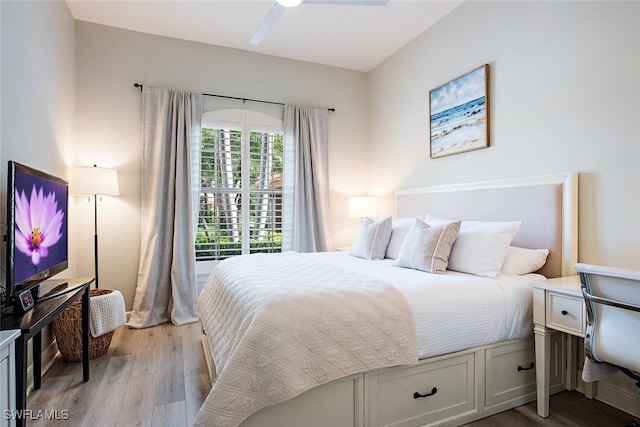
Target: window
<point x="242" y="161"/>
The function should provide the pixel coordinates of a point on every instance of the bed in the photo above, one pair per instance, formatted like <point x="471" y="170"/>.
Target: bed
<point x="448" y="349"/>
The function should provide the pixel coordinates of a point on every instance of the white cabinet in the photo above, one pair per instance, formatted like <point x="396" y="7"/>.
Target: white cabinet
<point x="7" y="377"/>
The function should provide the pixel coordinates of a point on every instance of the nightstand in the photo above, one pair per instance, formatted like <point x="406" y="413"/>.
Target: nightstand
<point x="558" y="305"/>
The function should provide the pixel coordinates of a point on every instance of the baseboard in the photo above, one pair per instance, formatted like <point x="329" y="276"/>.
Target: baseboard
<point x="619" y="397"/>
<point x="619" y="392"/>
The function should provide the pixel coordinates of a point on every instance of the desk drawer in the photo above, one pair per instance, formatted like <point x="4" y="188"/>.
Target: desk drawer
<point x="390" y="400"/>
<point x="566" y="313"/>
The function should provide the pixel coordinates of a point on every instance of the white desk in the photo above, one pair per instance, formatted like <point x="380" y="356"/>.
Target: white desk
<point x="557" y="305"/>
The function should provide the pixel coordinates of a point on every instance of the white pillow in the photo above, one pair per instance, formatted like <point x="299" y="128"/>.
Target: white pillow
<point x="524" y="261"/>
<point x="427" y="248"/>
<point x="481" y="246"/>
<point x="399" y="229"/>
<point x="372" y="238"/>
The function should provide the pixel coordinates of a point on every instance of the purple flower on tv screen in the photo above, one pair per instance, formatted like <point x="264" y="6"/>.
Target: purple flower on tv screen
<point x="38" y="223"/>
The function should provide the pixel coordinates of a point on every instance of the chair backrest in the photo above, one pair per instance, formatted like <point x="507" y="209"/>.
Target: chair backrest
<point x="612" y="296"/>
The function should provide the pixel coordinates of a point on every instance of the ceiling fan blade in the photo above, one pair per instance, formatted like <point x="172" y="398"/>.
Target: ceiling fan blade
<point x="349" y="2"/>
<point x="267" y="23"/>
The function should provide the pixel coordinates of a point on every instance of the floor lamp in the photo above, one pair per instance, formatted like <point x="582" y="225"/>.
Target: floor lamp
<point x="94" y="181"/>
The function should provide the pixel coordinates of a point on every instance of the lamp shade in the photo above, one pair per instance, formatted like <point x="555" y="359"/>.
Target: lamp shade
<point x="94" y="180"/>
<point x="362" y="206"/>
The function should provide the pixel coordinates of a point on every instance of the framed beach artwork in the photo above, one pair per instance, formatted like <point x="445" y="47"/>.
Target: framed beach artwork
<point x="459" y="110"/>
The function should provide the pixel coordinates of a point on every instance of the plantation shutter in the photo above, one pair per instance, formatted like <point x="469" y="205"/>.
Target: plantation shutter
<point x="242" y="161"/>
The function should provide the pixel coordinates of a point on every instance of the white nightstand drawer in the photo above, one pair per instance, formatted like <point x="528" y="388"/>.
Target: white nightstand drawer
<point x="566" y="313"/>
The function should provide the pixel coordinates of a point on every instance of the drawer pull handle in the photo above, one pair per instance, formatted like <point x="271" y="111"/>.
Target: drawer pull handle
<point x="417" y="395"/>
<point x="564" y="312"/>
<point x="520" y="368"/>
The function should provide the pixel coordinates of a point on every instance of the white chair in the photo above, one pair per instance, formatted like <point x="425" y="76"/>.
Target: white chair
<point x="612" y="296"/>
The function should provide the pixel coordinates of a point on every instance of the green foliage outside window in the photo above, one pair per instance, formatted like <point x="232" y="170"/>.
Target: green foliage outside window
<point x="219" y="233"/>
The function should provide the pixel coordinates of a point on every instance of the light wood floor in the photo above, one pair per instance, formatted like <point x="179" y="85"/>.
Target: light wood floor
<point x="158" y="377"/>
<point x="148" y="377"/>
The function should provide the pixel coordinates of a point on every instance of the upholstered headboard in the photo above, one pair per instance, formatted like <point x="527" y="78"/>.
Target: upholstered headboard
<point x="547" y="205"/>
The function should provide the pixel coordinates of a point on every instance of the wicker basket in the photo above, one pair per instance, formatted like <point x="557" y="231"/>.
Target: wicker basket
<point x="67" y="328"/>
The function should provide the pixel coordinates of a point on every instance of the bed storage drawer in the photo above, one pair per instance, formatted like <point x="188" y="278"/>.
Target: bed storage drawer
<point x="338" y="403"/>
<point x="510" y="371"/>
<point x="447" y="387"/>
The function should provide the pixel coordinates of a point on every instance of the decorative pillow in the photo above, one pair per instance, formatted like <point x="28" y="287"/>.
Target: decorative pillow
<point x="372" y="238"/>
<point x="481" y="246"/>
<point x="427" y="248"/>
<point x="523" y="261"/>
<point x="399" y="229"/>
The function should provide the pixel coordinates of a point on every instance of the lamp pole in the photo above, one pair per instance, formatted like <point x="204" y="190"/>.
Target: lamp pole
<point x="95" y="181"/>
<point x="95" y="235"/>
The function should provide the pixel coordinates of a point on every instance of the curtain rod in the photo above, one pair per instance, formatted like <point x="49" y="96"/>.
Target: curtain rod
<point x="138" y="85"/>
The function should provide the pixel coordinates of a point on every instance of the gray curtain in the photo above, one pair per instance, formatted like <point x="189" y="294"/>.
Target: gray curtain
<point x="167" y="288"/>
<point x="306" y="180"/>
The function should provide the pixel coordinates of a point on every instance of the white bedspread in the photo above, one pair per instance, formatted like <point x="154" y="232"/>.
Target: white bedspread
<point x="454" y="311"/>
<point x="281" y="324"/>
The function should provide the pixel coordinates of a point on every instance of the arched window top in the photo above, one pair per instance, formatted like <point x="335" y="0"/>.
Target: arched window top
<point x="232" y="119"/>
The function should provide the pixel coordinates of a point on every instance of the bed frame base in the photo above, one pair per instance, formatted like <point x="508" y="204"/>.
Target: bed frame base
<point x="470" y="385"/>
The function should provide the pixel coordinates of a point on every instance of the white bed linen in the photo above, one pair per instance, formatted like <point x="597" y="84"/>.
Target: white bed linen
<point x="281" y="324"/>
<point x="454" y="311"/>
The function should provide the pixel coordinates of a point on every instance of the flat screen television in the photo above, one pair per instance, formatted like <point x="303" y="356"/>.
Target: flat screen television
<point x="37" y="228"/>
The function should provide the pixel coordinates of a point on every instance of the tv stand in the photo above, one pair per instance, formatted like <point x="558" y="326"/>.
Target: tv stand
<point x="53" y="288"/>
<point x="31" y="324"/>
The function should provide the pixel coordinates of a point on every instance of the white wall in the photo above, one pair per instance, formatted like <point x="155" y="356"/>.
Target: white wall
<point x="37" y="120"/>
<point x="564" y="94"/>
<point x="38" y="91"/>
<point x="109" y="123"/>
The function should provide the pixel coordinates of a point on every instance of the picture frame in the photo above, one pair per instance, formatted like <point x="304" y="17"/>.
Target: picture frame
<point x="459" y="114"/>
